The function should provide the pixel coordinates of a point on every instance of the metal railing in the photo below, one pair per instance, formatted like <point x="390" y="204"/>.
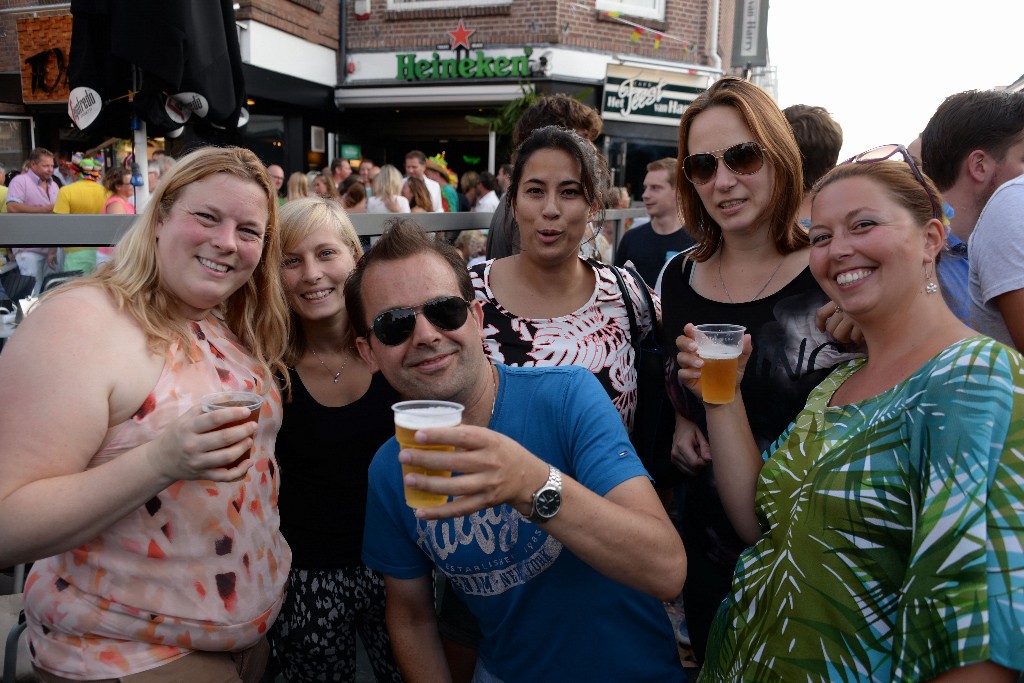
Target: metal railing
<point x="49" y="230"/>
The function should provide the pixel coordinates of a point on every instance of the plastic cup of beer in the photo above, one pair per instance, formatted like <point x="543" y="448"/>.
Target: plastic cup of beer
<point x="235" y="399"/>
<point x="411" y="416"/>
<point x="719" y="346"/>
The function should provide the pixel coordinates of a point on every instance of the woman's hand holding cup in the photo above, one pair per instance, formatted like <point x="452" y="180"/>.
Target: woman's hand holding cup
<point x="712" y="359"/>
<point x="214" y="445"/>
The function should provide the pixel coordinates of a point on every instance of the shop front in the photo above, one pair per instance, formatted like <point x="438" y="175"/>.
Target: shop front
<point x="396" y="101"/>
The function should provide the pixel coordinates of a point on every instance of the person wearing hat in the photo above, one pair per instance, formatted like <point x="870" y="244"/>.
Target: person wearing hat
<point x="437" y="169"/>
<point x="85" y="194"/>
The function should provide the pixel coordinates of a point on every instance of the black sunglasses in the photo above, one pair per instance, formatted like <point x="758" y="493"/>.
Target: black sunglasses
<point x="746" y="158"/>
<point x="886" y="152"/>
<point x="395" y="326"/>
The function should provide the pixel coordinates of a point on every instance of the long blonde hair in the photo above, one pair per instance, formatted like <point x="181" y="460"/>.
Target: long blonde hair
<point x="298" y="220"/>
<point x="388" y="182"/>
<point x="298" y="186"/>
<point x="133" y="275"/>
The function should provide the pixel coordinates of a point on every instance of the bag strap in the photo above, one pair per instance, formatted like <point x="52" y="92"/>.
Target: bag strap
<point x="634" y="328"/>
<point x="646" y="293"/>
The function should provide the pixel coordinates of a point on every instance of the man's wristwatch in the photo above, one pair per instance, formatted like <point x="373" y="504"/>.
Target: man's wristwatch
<point x="547" y="500"/>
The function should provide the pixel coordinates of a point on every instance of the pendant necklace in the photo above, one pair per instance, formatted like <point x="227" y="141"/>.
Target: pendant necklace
<point x="337" y="374"/>
<point x="763" y="287"/>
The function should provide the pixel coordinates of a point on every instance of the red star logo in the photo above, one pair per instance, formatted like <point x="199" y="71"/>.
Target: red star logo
<point x="460" y="36"/>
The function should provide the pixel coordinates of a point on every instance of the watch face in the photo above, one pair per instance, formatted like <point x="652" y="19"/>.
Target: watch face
<point x="547" y="503"/>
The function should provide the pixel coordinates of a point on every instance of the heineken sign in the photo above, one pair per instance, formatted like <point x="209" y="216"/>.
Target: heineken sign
<point x="649" y="95"/>
<point x="478" y="66"/>
<point x="468" y="61"/>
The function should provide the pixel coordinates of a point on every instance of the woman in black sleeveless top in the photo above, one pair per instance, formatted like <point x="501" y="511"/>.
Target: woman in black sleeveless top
<point x="740" y="189"/>
<point x="337" y="415"/>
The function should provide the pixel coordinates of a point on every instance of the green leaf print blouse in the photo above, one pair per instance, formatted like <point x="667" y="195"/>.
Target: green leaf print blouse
<point x="893" y="532"/>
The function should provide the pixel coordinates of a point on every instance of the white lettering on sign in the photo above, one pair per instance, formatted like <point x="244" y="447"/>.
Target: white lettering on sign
<point x="637" y="97"/>
<point x="751" y="19"/>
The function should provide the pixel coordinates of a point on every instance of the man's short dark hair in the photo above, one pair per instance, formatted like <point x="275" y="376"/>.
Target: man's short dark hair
<point x="989" y="120"/>
<point x="416" y="154"/>
<point x="402" y="238"/>
<point x="336" y="163"/>
<point x="506" y="169"/>
<point x="819" y="138"/>
<point x="558" y="110"/>
<point x="488" y="180"/>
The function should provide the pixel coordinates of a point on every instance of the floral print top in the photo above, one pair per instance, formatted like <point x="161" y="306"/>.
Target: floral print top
<point x="892" y="532"/>
<point x="200" y="566"/>
<point x="595" y="337"/>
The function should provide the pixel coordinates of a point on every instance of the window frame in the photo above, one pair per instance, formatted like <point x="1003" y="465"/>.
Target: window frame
<point x="657" y="13"/>
<point x="414" y="5"/>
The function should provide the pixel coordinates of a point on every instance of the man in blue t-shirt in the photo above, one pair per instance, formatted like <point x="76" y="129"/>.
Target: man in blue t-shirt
<point x="556" y="540"/>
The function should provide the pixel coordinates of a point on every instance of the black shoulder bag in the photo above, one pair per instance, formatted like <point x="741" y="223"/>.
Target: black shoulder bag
<point x="654" y="420"/>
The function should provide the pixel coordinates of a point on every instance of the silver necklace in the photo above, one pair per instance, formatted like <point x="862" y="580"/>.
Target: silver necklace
<point x="763" y="287"/>
<point x="337" y="374"/>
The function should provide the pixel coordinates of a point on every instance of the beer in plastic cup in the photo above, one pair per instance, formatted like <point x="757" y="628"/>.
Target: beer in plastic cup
<point x="719" y="346"/>
<point x="235" y="399"/>
<point x="411" y="416"/>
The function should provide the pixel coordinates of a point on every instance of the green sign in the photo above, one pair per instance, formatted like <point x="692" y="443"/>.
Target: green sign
<point x="351" y="152"/>
<point x="481" y="66"/>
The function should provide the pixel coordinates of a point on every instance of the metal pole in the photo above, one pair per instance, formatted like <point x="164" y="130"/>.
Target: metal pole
<point x="492" y="146"/>
<point x="141" y="157"/>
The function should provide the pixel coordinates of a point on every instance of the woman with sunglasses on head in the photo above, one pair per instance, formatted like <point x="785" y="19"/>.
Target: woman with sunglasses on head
<point x="886" y="519"/>
<point x="740" y="190"/>
<point x="154" y="525"/>
<point x="337" y="415"/>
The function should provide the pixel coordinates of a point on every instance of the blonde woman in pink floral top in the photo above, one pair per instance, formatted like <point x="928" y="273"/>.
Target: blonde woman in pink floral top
<point x="153" y="551"/>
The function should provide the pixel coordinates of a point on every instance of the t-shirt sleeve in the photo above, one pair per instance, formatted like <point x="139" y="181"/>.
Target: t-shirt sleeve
<point x="62" y="205"/>
<point x="962" y="599"/>
<point x="602" y="456"/>
<point x="997" y="249"/>
<point x="388" y="536"/>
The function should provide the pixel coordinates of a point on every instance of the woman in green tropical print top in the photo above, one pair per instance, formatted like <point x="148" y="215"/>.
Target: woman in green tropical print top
<point x="887" y="520"/>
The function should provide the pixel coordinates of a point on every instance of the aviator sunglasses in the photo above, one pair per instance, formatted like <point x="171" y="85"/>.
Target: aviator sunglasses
<point x="886" y="152"/>
<point x="395" y="326"/>
<point x="746" y="158"/>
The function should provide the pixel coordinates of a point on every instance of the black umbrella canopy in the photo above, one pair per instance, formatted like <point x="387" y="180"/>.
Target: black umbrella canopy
<point x="166" y="62"/>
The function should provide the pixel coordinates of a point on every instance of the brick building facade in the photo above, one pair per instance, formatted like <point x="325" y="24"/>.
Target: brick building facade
<point x="380" y="77"/>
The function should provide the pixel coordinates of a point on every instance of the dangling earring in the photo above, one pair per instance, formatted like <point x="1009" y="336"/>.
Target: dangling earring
<point x="931" y="287"/>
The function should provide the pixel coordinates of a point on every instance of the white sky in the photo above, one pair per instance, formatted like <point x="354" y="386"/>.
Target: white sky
<point x="881" y="67"/>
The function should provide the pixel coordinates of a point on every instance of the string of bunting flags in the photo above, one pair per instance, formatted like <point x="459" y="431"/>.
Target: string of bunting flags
<point x="639" y="30"/>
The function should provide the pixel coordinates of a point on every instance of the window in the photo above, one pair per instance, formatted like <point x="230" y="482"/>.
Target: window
<point x="649" y="9"/>
<point x="445" y="4"/>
